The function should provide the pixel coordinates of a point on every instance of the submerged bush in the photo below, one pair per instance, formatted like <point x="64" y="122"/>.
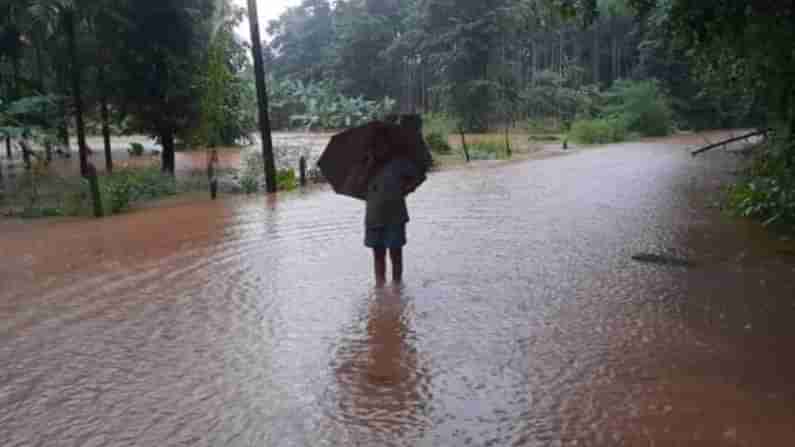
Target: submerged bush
<point x="252" y="174"/>
<point x="286" y="179"/>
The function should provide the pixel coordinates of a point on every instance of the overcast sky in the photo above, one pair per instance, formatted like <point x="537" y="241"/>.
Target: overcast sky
<point x="268" y="10"/>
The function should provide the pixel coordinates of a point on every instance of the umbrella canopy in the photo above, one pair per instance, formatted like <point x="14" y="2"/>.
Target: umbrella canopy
<point x="355" y="155"/>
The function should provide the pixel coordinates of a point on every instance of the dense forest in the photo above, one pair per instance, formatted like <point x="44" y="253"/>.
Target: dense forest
<point x="487" y="62"/>
<point x="600" y="70"/>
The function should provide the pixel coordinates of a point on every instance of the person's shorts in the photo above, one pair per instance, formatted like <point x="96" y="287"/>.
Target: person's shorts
<point x="388" y="236"/>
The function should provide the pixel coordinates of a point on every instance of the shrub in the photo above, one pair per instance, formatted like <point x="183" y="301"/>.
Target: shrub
<point x="125" y="186"/>
<point x="599" y="131"/>
<point x="767" y="192"/>
<point x="642" y="105"/>
<point x="252" y="174"/>
<point x="438" y="123"/>
<point x="116" y="193"/>
<point x="286" y="179"/>
<point x="542" y="125"/>
<point x="249" y="183"/>
<point x="437" y="128"/>
<point x="438" y="143"/>
<point x="136" y="149"/>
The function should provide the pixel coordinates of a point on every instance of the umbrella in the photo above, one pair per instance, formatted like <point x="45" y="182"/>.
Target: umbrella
<point x="355" y="155"/>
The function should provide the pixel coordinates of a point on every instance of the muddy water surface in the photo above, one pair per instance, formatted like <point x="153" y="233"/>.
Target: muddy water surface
<point x="523" y="321"/>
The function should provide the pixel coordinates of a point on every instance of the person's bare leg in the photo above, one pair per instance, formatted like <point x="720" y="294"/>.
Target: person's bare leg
<point x="396" y="256"/>
<point x="379" y="258"/>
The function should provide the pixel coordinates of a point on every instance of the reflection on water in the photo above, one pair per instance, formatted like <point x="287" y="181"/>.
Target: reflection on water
<point x="380" y="386"/>
<point x="524" y="320"/>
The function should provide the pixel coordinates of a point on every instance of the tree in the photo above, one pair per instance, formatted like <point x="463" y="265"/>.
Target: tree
<point x="262" y="99"/>
<point x="363" y="32"/>
<point x="158" y="53"/>
<point x="301" y="41"/>
<point x="15" y="17"/>
<point x="742" y="45"/>
<point x="228" y="97"/>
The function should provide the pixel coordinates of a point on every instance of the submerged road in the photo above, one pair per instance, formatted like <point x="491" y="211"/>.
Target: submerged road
<point x="523" y="321"/>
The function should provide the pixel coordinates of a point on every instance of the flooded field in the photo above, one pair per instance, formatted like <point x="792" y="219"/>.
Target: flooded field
<point x="523" y="321"/>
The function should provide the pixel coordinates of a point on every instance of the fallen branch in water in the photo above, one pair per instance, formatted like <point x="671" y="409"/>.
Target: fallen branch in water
<point x="755" y="133"/>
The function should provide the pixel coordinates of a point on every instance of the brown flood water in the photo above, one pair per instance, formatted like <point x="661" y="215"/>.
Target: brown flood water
<point x="523" y="320"/>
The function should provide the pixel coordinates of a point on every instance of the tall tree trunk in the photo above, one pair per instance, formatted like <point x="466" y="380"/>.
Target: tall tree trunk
<point x="614" y="57"/>
<point x="93" y="181"/>
<point x="106" y="134"/>
<point x="464" y="145"/>
<point x="534" y="62"/>
<point x="168" y="155"/>
<point x="39" y="65"/>
<point x="596" y="60"/>
<point x="15" y="94"/>
<point x="562" y="51"/>
<point x="63" y="131"/>
<point x="105" y="121"/>
<point x="48" y="152"/>
<point x="69" y="22"/>
<point x="790" y="159"/>
<point x="262" y="98"/>
<point x="23" y="145"/>
<point x="87" y="169"/>
<point x="63" y="110"/>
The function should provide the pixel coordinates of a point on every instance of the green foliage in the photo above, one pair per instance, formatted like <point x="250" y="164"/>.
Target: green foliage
<point x="215" y="82"/>
<point x="127" y="186"/>
<point x="438" y="143"/>
<point x="249" y="183"/>
<point x="767" y="192"/>
<point x="488" y="149"/>
<point x="560" y="96"/>
<point x="286" y="180"/>
<point x="136" y="149"/>
<point x="33" y="116"/>
<point x="439" y="123"/>
<point x="642" y="106"/>
<point x="45" y="194"/>
<point x="321" y="105"/>
<point x="160" y="47"/>
<point x="599" y="131"/>
<point x="302" y="37"/>
<point x="542" y="125"/>
<point x="252" y="174"/>
<point x="228" y="104"/>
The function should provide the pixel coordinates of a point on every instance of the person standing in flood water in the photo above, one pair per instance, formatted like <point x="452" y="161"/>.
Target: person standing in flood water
<point x="387" y="215"/>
